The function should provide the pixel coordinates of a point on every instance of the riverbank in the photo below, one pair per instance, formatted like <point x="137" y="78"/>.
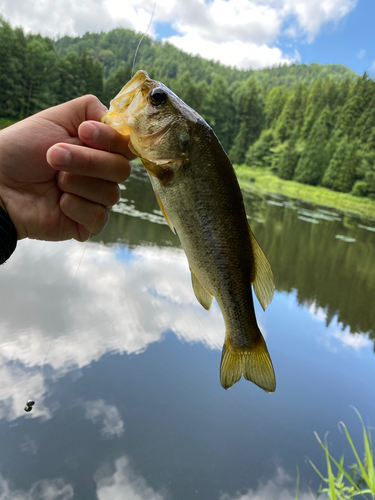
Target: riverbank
<point x="264" y="181"/>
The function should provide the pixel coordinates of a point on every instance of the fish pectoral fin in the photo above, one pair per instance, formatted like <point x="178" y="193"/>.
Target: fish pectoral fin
<point x="263" y="282"/>
<point x="166" y="216"/>
<point x="252" y="361"/>
<point x="203" y="296"/>
<point x="161" y="171"/>
<point x="153" y="168"/>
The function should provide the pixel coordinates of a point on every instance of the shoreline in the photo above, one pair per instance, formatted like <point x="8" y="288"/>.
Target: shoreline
<point x="261" y="180"/>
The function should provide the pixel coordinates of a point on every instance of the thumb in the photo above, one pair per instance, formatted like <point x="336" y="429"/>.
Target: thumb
<point x="94" y="108"/>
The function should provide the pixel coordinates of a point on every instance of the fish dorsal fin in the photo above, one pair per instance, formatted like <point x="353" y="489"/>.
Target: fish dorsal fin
<point x="203" y="296"/>
<point x="166" y="216"/>
<point x="263" y="282"/>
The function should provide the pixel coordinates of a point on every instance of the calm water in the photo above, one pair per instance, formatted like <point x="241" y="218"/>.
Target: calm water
<point x="129" y="403"/>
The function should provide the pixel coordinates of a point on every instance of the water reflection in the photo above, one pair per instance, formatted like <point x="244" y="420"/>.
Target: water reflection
<point x="280" y="487"/>
<point x="123" y="483"/>
<point x="329" y="262"/>
<point x="129" y="403"/>
<point x="44" y="489"/>
<point x="120" y="301"/>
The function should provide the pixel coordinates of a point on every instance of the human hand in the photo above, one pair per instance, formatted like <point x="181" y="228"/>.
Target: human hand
<point x="59" y="173"/>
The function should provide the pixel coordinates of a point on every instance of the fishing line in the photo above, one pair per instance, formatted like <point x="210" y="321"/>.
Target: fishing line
<point x="30" y="403"/>
<point x="144" y="34"/>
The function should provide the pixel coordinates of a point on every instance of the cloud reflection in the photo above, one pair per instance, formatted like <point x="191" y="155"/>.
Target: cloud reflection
<point x="335" y="330"/>
<point x="278" y="488"/>
<point x="120" y="301"/>
<point x="45" y="489"/>
<point x="123" y="483"/>
<point x="108" y="415"/>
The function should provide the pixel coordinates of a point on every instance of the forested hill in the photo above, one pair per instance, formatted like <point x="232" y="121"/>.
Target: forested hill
<point x="162" y="60"/>
<point x="314" y="124"/>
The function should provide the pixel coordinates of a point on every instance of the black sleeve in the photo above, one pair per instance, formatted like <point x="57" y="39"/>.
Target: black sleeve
<point x="8" y="236"/>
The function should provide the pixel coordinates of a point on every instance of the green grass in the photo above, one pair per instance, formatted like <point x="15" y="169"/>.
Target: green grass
<point x="264" y="181"/>
<point x="5" y="122"/>
<point x="341" y="484"/>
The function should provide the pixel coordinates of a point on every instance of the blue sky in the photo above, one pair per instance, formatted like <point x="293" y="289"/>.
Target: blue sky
<point x="242" y="33"/>
<point x="351" y="43"/>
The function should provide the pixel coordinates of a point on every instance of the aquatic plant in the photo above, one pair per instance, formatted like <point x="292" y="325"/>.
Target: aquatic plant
<point x="359" y="481"/>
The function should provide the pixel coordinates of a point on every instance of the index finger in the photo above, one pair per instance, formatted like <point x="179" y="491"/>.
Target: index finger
<point x="101" y="136"/>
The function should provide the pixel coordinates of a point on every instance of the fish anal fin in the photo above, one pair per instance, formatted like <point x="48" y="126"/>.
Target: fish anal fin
<point x="203" y="296"/>
<point x="166" y="216"/>
<point x="251" y="361"/>
<point x="263" y="281"/>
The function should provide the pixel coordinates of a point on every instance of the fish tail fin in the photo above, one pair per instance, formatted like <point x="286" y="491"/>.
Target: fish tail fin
<point x="252" y="361"/>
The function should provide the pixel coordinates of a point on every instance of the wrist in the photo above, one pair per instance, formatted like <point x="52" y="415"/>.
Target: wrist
<point x="8" y="236"/>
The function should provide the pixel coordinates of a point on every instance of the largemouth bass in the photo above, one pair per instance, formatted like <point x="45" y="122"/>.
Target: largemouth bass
<point x="197" y="191"/>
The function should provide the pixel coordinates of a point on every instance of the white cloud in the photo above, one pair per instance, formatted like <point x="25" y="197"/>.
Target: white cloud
<point x="361" y="54"/>
<point x="281" y="487"/>
<point x="45" y="489"/>
<point x="235" y="32"/>
<point x="108" y="415"/>
<point x="309" y="16"/>
<point x="228" y="21"/>
<point x="123" y="483"/>
<point x="232" y="53"/>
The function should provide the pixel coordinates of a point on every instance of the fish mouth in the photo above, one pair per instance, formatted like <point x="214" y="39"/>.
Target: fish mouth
<point x="126" y="102"/>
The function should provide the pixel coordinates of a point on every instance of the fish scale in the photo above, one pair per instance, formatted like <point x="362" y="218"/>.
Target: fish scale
<point x="198" y="193"/>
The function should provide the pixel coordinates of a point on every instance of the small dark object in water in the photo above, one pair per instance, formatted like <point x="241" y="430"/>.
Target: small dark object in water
<point x="29" y="405"/>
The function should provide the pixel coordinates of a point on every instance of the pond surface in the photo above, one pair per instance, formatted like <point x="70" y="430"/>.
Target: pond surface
<point x="124" y="362"/>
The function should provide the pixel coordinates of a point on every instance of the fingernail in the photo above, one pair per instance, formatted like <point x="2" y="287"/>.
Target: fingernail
<point x="89" y="132"/>
<point x="61" y="156"/>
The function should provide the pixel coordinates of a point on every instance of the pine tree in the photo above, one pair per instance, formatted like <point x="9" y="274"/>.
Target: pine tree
<point x="115" y="82"/>
<point x="340" y="173"/>
<point x="288" y="158"/>
<point x="261" y="152"/>
<point x="249" y="112"/>
<point x="293" y="112"/>
<point x="313" y="160"/>
<point x="220" y="110"/>
<point x="275" y="101"/>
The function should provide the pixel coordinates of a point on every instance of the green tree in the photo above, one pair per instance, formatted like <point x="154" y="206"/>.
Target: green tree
<point x="220" y="110"/>
<point x="293" y="112"/>
<point x="249" y="113"/>
<point x="313" y="160"/>
<point x="41" y="75"/>
<point x="288" y="157"/>
<point x="275" y="101"/>
<point x="341" y="170"/>
<point x="261" y="152"/>
<point x="10" y="78"/>
<point x="115" y="82"/>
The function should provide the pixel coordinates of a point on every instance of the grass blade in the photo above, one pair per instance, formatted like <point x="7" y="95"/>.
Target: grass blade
<point x="297" y="485"/>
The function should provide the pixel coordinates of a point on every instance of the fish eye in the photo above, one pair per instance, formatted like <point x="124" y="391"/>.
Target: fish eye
<point x="158" y="96"/>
